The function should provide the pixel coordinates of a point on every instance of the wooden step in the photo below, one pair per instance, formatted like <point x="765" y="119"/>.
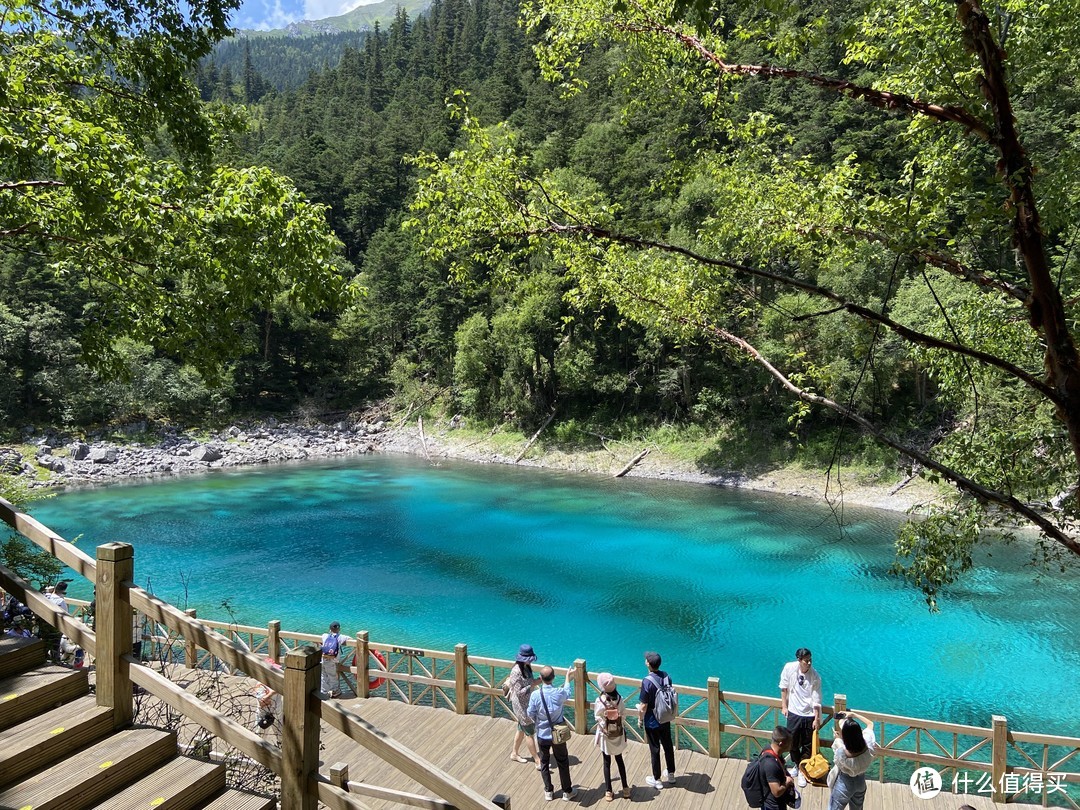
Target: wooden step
<point x="239" y="800"/>
<point x="87" y="777"/>
<point x="20" y="654"/>
<point x="182" y="783"/>
<point x="40" y="741"/>
<point x="36" y="691"/>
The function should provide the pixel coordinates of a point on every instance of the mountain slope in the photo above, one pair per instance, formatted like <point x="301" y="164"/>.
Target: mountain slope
<point x="361" y="18"/>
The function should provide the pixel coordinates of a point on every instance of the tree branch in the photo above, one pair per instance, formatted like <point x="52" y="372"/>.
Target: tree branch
<point x="16" y="184"/>
<point x="891" y="102"/>
<point x="857" y="310"/>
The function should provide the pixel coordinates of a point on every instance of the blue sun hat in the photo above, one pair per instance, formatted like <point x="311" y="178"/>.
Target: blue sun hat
<point x="525" y="654"/>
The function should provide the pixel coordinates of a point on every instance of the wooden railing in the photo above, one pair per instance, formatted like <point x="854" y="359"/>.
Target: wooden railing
<point x="296" y="761"/>
<point x="994" y="761"/>
<point x="1010" y="766"/>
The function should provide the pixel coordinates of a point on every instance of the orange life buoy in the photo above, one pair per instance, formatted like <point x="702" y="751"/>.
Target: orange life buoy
<point x="374" y="683"/>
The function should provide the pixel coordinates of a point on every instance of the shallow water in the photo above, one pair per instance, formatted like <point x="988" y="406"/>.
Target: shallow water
<point x="723" y="583"/>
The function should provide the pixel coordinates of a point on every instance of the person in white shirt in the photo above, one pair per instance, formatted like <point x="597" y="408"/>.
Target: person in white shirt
<point x="333" y="651"/>
<point x="853" y="751"/>
<point x="800" y="702"/>
<point x="49" y="634"/>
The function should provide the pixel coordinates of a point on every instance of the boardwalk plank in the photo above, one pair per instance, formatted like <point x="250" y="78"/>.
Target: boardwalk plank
<point x="476" y="749"/>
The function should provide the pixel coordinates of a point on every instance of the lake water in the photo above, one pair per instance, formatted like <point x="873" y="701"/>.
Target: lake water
<point x="722" y="583"/>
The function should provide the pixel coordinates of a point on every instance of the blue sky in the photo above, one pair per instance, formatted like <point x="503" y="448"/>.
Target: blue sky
<point x="266" y="14"/>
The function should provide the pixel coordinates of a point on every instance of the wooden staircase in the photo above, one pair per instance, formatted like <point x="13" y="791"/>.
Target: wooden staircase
<point x="58" y="748"/>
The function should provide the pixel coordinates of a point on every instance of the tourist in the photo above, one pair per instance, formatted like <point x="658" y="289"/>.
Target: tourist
<point x="518" y="687"/>
<point x="268" y="707"/>
<point x="546" y="711"/>
<point x="656" y="732"/>
<point x="333" y="651"/>
<point x="853" y="749"/>
<point x="610" y="712"/>
<point x="49" y="634"/>
<point x="800" y="702"/>
<point x="781" y="791"/>
<point x="20" y="628"/>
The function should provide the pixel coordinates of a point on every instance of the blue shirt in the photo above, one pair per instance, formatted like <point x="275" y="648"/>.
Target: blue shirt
<point x="555" y="697"/>
<point x="650" y="685"/>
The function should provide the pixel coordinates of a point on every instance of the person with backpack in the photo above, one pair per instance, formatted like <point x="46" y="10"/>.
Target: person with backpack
<point x="610" y="712"/>
<point x="333" y="651"/>
<point x="658" y="705"/>
<point x="766" y="784"/>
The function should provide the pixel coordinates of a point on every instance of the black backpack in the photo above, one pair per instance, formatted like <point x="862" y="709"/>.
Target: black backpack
<point x="754" y="783"/>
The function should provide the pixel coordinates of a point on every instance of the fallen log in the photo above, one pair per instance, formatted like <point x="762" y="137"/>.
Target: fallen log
<point x="535" y="436"/>
<point x="633" y="463"/>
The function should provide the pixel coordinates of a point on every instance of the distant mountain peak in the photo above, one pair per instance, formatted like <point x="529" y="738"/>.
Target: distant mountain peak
<point x="361" y="18"/>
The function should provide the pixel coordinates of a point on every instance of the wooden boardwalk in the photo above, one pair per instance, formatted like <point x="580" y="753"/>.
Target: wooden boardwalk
<point x="476" y="749"/>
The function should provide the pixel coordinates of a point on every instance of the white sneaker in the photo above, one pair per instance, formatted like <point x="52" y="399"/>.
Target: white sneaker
<point x="802" y="779"/>
<point x="794" y="771"/>
<point x="656" y="783"/>
<point x="548" y="795"/>
<point x="669" y="777"/>
<point x="566" y="797"/>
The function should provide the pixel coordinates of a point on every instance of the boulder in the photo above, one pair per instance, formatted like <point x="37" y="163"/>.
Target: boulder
<point x="206" y="452"/>
<point x="80" y="451"/>
<point x="104" y="455"/>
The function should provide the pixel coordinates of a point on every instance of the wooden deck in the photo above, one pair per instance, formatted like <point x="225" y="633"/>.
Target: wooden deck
<point x="476" y="750"/>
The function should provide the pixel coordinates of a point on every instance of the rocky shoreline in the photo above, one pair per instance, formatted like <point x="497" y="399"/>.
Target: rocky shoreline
<point x="60" y="461"/>
<point x="64" y="461"/>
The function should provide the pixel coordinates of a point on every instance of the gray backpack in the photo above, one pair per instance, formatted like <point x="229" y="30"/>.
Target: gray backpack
<point x="666" y="706"/>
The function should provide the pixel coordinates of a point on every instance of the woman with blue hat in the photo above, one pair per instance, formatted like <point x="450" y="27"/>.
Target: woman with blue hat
<point x="516" y="688"/>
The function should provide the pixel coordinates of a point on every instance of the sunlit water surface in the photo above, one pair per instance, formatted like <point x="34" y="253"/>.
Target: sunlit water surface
<point x="723" y="583"/>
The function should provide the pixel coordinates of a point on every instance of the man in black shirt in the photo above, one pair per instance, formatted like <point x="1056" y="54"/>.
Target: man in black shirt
<point x="780" y="787"/>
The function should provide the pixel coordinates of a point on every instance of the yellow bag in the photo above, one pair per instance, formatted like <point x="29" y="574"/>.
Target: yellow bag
<point x="816" y="767"/>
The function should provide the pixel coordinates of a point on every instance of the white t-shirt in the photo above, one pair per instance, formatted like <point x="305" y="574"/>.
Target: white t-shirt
<point x="804" y="689"/>
<point x="855" y="765"/>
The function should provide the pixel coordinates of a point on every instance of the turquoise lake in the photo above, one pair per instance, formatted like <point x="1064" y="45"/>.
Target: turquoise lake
<point x="721" y="582"/>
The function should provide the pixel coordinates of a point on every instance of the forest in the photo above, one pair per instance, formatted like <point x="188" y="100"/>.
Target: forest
<point x="834" y="233"/>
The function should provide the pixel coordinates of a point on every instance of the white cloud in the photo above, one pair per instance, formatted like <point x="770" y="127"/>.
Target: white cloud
<point x="321" y="9"/>
<point x="260" y="15"/>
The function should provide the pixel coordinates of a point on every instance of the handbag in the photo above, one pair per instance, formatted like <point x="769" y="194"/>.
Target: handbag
<point x="816" y="766"/>
<point x="560" y="732"/>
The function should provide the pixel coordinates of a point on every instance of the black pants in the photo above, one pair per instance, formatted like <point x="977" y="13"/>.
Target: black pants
<point x="562" y="761"/>
<point x="661" y="737"/>
<point x="607" y="771"/>
<point x="802" y="737"/>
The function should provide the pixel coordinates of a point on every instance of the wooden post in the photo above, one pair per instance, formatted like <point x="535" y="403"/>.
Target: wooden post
<point x="581" y="697"/>
<point x="461" y="678"/>
<point x="714" y="717"/>
<point x="839" y="705"/>
<point x="339" y="775"/>
<point x="273" y="640"/>
<point x="360" y="670"/>
<point x="191" y="652"/>
<point x="501" y="800"/>
<point x="115" y="566"/>
<point x="300" y="729"/>
<point x="999" y="758"/>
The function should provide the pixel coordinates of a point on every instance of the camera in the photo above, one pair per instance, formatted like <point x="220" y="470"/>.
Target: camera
<point x="840" y="715"/>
